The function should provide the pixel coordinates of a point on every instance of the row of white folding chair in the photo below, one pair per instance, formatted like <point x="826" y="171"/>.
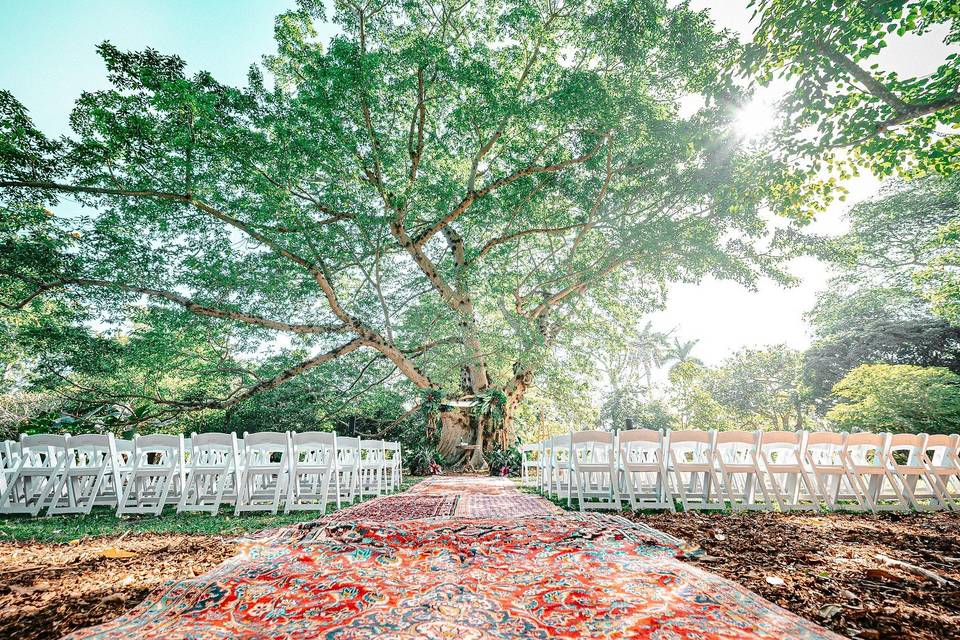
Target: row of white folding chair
<point x="753" y="470"/>
<point x="70" y="474"/>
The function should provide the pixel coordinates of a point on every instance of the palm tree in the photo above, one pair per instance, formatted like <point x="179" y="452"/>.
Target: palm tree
<point x="681" y="352"/>
<point x="649" y="351"/>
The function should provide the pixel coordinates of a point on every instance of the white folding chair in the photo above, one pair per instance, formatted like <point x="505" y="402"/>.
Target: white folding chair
<point x="827" y="464"/>
<point x="691" y="455"/>
<point x="902" y="458"/>
<point x="348" y="467"/>
<point x="34" y="478"/>
<point x="643" y="469"/>
<point x="866" y="456"/>
<point x="560" y="468"/>
<point x="941" y="457"/>
<point x="737" y="454"/>
<point x="213" y="469"/>
<point x="394" y="461"/>
<point x="115" y="482"/>
<point x="263" y="476"/>
<point x="782" y="458"/>
<point x="155" y="472"/>
<point x="373" y="467"/>
<point x="546" y="477"/>
<point x="313" y="465"/>
<point x="593" y="458"/>
<point x="529" y="460"/>
<point x="9" y="457"/>
<point x="90" y="460"/>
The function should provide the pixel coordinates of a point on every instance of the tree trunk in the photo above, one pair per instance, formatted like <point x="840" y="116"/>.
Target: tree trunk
<point x="457" y="427"/>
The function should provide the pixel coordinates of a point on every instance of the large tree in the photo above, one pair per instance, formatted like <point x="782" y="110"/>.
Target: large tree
<point x="441" y="189"/>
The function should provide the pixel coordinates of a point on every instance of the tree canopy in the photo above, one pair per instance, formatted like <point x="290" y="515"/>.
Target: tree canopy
<point x="898" y="398"/>
<point x="846" y="108"/>
<point x="435" y="194"/>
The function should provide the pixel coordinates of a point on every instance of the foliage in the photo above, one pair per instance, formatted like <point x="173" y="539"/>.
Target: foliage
<point x="505" y="462"/>
<point x="692" y="400"/>
<point x="898" y="399"/>
<point x="631" y="403"/>
<point x="939" y="279"/>
<point x="860" y="114"/>
<point x="877" y="308"/>
<point x="877" y="340"/>
<point x="761" y="388"/>
<point x="423" y="460"/>
<point x="408" y="204"/>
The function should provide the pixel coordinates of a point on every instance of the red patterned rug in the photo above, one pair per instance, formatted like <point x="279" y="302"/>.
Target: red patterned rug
<point x="399" y="507"/>
<point x="517" y="506"/>
<point x="550" y="576"/>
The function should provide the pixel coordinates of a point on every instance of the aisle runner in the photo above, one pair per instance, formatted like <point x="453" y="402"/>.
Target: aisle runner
<point x="464" y="558"/>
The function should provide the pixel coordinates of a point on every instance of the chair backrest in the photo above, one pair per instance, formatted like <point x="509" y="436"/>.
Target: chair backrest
<point x="43" y="450"/>
<point x="90" y="450"/>
<point x="641" y="446"/>
<point x="736" y="447"/>
<point x="213" y="449"/>
<point x="865" y="448"/>
<point x="560" y="449"/>
<point x="124" y="450"/>
<point x="158" y="450"/>
<point x="905" y="448"/>
<point x="692" y="446"/>
<point x="391" y="451"/>
<point x="314" y="448"/>
<point x="825" y="447"/>
<point x="265" y="447"/>
<point x="348" y="450"/>
<point x="941" y="450"/>
<point x="265" y="439"/>
<point x="781" y="447"/>
<point x="324" y="438"/>
<point x="592" y="446"/>
<point x="371" y="450"/>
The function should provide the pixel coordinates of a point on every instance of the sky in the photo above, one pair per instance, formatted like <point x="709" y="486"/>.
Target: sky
<point x="48" y="57"/>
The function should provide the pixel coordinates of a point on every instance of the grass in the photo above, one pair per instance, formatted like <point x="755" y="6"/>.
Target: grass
<point x="103" y="521"/>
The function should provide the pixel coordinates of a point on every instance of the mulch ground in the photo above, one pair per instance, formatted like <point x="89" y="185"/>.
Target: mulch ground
<point x="48" y="590"/>
<point x="825" y="568"/>
<point x="832" y="569"/>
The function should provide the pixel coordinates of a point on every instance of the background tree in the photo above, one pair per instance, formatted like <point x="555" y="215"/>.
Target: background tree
<point x="761" y="387"/>
<point x="861" y="114"/>
<point x="899" y="399"/>
<point x="408" y="194"/>
<point x="694" y="406"/>
<point x="649" y="351"/>
<point x="681" y="352"/>
<point x="876" y="309"/>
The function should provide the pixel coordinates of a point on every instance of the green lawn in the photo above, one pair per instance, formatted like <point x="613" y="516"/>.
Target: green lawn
<point x="103" y="521"/>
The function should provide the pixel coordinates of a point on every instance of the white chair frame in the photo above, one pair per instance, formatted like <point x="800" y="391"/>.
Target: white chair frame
<point x="313" y="467"/>
<point x="643" y="469"/>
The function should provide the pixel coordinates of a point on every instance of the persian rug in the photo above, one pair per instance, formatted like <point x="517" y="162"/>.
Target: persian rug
<point x="504" y="506"/>
<point x="463" y="485"/>
<point x="562" y="576"/>
<point x="399" y="507"/>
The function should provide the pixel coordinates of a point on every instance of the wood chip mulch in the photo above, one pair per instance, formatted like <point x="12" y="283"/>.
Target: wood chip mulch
<point x="49" y="590"/>
<point x="832" y="569"/>
<point x="836" y="569"/>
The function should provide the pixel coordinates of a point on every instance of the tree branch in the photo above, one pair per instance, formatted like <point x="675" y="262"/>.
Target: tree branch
<point x="186" y="303"/>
